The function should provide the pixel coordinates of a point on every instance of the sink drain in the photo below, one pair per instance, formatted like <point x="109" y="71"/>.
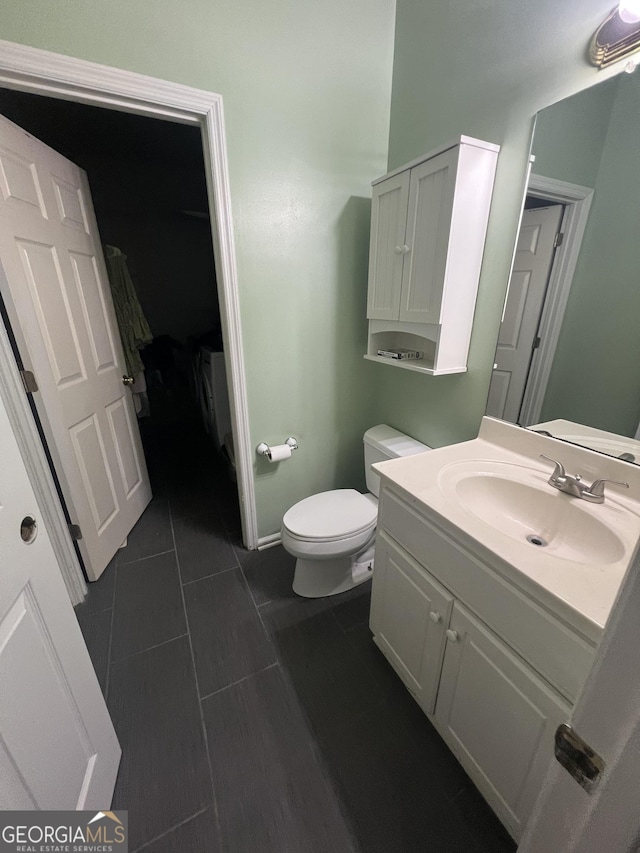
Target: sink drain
<point x="537" y="540"/>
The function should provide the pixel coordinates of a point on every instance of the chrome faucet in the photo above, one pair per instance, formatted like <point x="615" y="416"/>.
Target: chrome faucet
<point x="571" y="484"/>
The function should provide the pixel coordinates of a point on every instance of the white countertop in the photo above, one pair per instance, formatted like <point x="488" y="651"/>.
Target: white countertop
<point x="580" y="593"/>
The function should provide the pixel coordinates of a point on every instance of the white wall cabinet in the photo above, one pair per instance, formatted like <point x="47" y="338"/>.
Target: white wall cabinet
<point x="428" y="227"/>
<point x="478" y="657"/>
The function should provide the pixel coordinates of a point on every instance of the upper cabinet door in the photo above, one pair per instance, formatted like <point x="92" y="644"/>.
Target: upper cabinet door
<point x="387" y="250"/>
<point x="431" y="196"/>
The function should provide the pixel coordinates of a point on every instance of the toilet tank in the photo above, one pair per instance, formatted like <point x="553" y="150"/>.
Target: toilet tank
<point x="382" y="442"/>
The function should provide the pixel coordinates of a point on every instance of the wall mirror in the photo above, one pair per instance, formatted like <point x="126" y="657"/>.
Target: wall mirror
<point x="568" y="354"/>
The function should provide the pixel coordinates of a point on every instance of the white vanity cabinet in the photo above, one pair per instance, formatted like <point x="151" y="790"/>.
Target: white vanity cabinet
<point x="494" y="672"/>
<point x="428" y="227"/>
<point x="498" y="716"/>
<point x="410" y="611"/>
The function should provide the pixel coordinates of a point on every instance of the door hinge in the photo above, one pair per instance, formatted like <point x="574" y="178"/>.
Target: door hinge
<point x="558" y="240"/>
<point x="536" y="342"/>
<point x="76" y="533"/>
<point x="29" y="381"/>
<point x="577" y="757"/>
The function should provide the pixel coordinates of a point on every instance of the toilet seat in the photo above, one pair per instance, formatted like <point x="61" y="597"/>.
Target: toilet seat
<point x="331" y="516"/>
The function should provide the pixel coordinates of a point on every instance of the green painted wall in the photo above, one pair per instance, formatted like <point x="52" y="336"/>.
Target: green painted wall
<point x="306" y="90"/>
<point x="596" y="372"/>
<point x="570" y="136"/>
<point x="483" y="69"/>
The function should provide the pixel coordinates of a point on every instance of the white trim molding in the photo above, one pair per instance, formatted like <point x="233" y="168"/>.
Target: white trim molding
<point x="40" y="72"/>
<point x="577" y="201"/>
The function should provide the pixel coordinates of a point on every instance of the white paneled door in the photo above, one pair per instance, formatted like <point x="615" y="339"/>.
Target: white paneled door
<point x="58" y="749"/>
<point x="54" y="283"/>
<point x="523" y="307"/>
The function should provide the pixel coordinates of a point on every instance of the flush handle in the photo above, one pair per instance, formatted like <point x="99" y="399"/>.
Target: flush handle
<point x="452" y="635"/>
<point x="435" y="617"/>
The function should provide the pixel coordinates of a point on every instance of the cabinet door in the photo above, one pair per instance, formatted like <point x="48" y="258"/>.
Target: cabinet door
<point x="431" y="194"/>
<point x="386" y="251"/>
<point x="498" y="716"/>
<point x="409" y="616"/>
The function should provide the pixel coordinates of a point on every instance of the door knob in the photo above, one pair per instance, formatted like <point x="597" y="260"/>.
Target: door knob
<point x="435" y="616"/>
<point x="452" y="635"/>
<point x="28" y="529"/>
<point x="127" y="380"/>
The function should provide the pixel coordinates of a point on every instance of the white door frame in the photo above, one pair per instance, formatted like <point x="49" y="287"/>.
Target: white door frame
<point x="41" y="72"/>
<point x="578" y="204"/>
<point x="26" y="432"/>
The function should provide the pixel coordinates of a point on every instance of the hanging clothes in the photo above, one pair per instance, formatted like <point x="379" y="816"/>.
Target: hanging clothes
<point x="134" y="328"/>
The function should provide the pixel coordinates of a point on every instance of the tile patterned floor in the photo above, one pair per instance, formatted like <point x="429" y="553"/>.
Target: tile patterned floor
<point x="253" y="721"/>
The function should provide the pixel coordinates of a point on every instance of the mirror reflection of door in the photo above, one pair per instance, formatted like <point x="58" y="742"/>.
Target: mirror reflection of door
<point x="584" y="383"/>
<point x="518" y="337"/>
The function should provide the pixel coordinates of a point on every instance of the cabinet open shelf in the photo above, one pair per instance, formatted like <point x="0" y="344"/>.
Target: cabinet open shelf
<point x="418" y="366"/>
<point x="429" y="339"/>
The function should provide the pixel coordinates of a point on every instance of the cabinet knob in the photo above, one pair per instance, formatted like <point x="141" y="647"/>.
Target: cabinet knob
<point x="452" y="635"/>
<point x="405" y="249"/>
<point x="435" y="616"/>
<point x="398" y="250"/>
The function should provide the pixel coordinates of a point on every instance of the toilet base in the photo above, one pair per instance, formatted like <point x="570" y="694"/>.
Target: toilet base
<point x="320" y="578"/>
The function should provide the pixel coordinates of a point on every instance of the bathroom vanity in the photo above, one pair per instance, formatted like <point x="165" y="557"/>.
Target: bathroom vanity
<point x="490" y="593"/>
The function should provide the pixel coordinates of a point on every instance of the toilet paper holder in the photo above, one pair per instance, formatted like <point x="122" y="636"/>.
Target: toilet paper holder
<point x="263" y="448"/>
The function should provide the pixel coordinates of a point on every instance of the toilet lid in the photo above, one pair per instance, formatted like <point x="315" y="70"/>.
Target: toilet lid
<point x="331" y="515"/>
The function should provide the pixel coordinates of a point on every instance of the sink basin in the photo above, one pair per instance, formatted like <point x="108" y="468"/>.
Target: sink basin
<point x="517" y="502"/>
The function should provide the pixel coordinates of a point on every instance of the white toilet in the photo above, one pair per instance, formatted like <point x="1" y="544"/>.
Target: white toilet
<point x="332" y="534"/>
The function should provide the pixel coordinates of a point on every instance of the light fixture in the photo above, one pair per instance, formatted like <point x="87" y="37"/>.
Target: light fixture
<point x="629" y="11"/>
<point x="617" y="36"/>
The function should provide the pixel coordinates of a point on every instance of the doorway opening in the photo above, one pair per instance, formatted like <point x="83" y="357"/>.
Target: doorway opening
<point x="149" y="193"/>
<point x="40" y="73"/>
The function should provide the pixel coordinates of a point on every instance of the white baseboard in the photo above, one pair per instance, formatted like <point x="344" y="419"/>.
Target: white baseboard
<point x="265" y="542"/>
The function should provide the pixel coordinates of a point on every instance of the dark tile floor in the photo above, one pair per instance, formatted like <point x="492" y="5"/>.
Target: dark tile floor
<point x="253" y="721"/>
